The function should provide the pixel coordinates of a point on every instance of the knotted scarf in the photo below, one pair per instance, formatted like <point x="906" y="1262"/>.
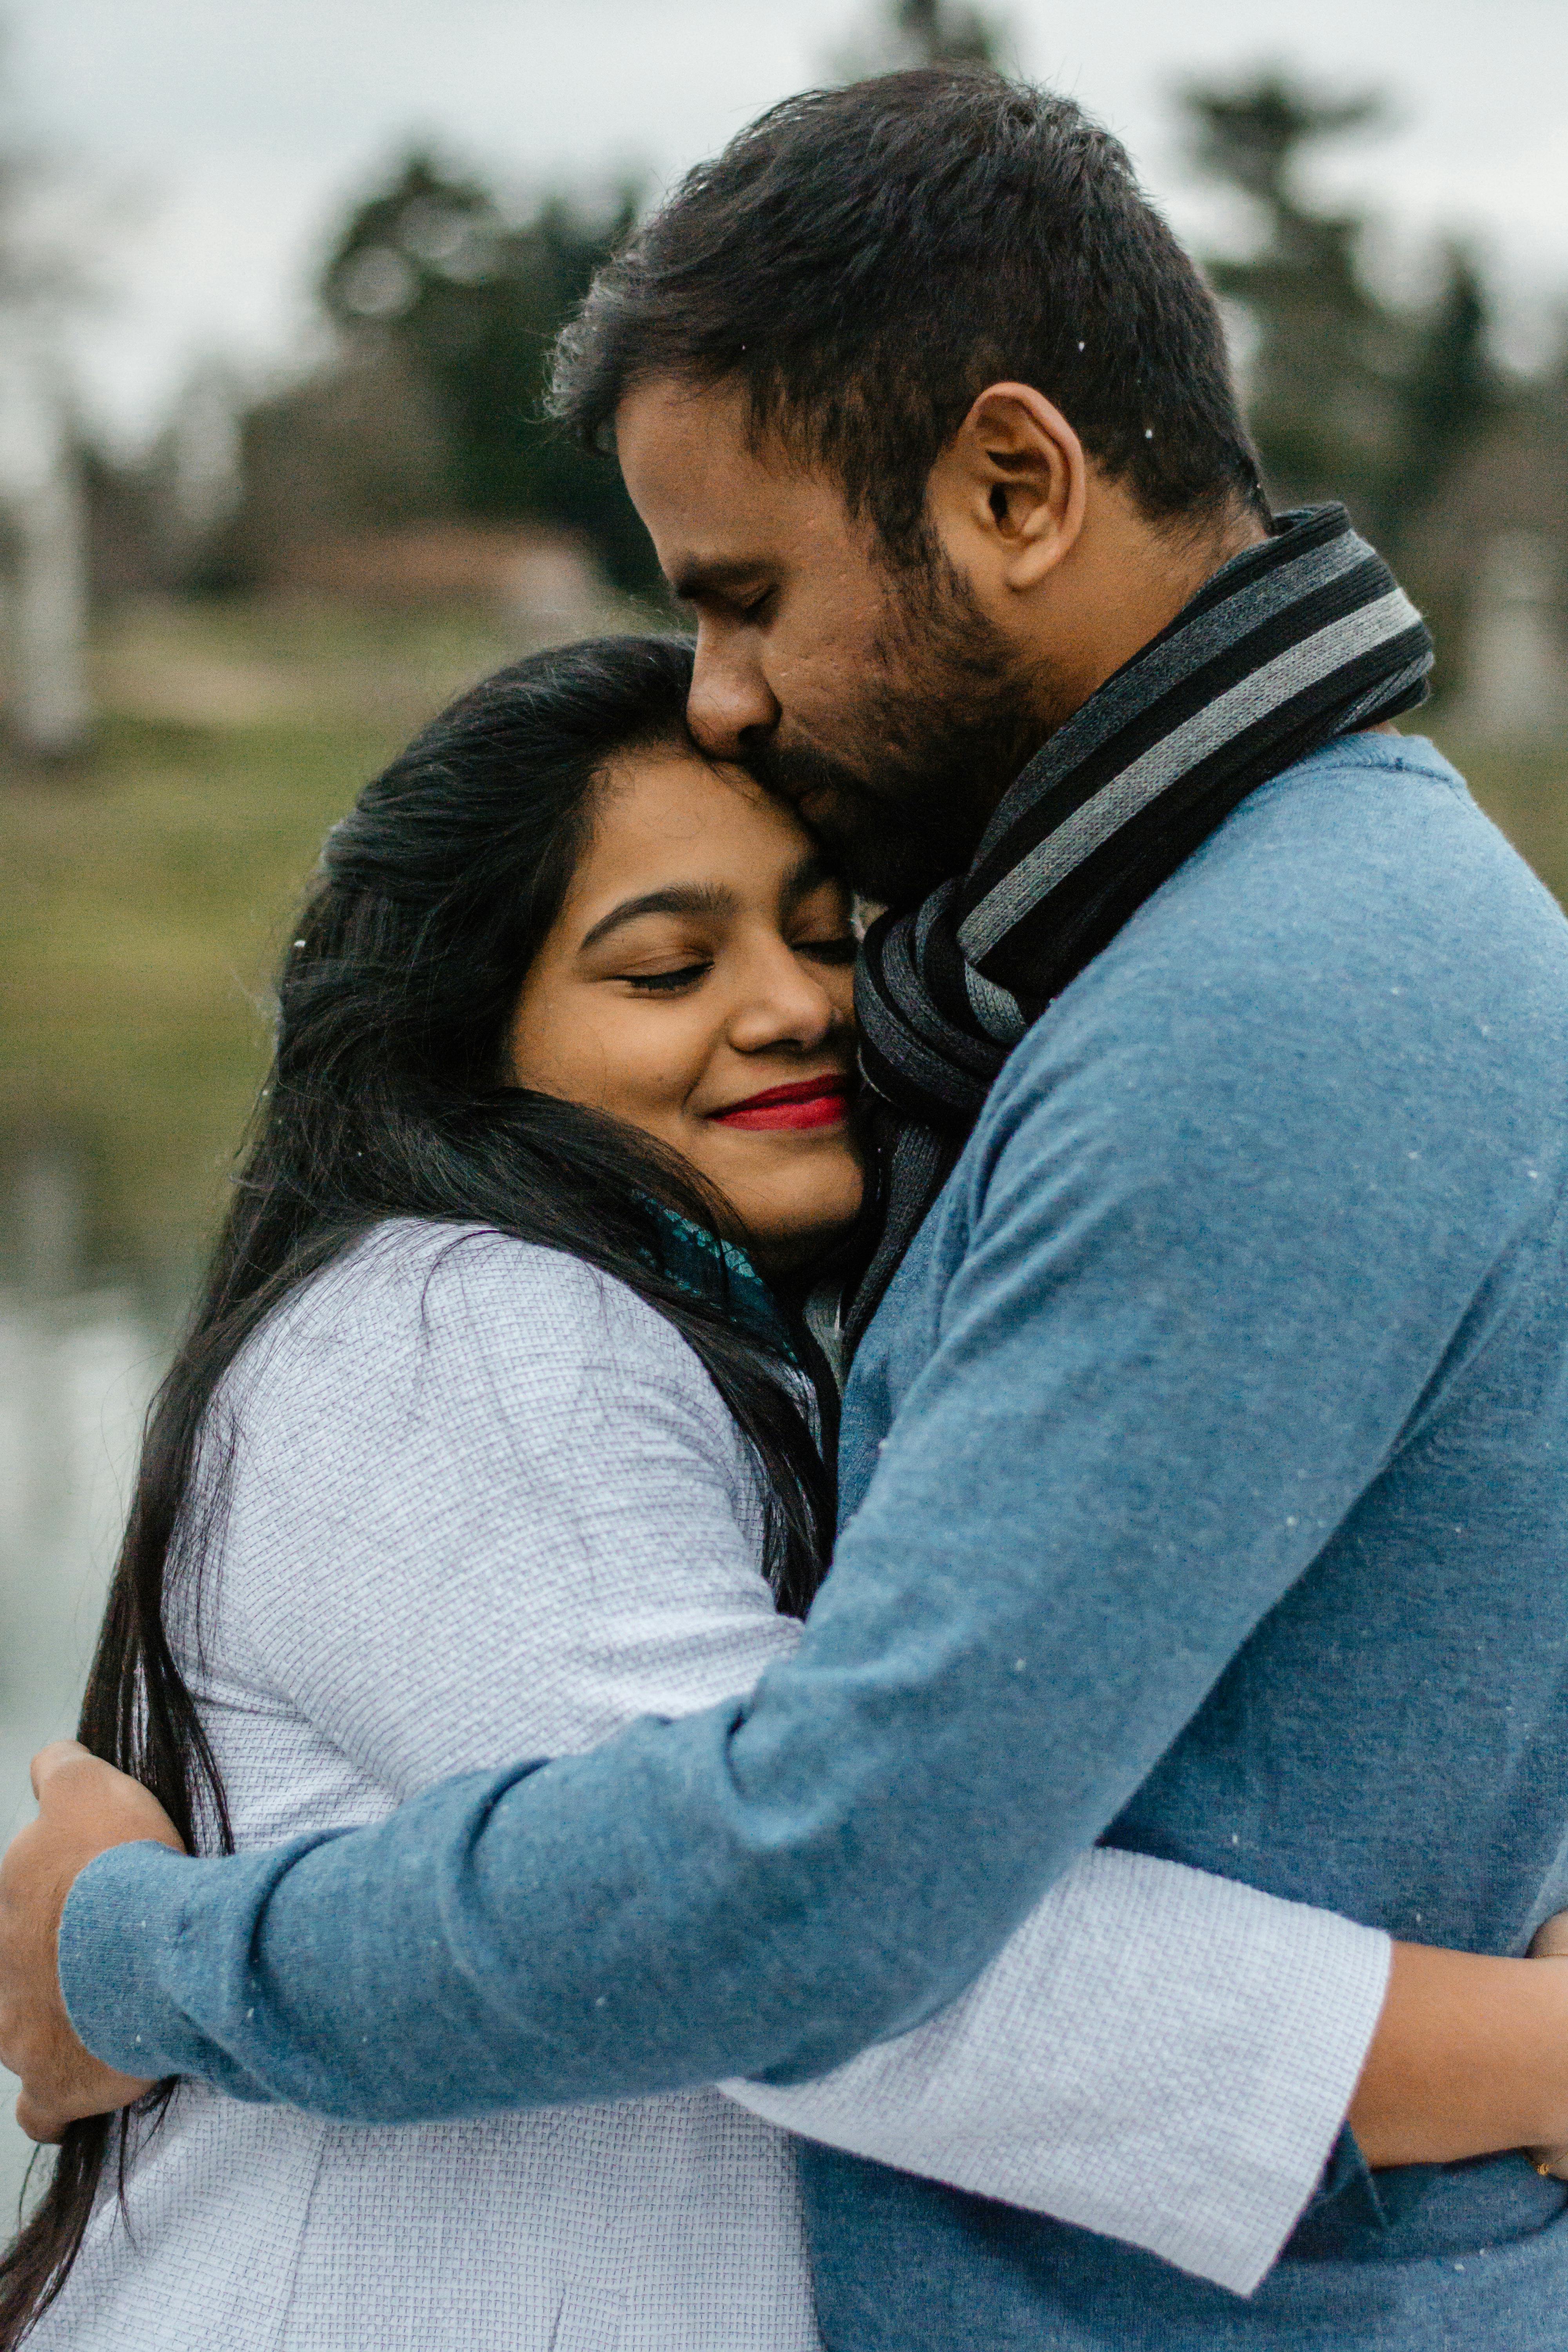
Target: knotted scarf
<point x="1300" y="639"/>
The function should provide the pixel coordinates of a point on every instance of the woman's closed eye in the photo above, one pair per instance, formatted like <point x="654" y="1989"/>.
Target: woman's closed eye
<point x="835" y="951"/>
<point x="752" y="605"/>
<point x="668" y="983"/>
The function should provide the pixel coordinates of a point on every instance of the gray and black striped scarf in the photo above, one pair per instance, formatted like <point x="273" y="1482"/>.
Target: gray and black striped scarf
<point x="1296" y="641"/>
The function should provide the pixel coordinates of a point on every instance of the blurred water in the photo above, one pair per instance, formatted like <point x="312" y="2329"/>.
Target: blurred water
<point x="77" y="1369"/>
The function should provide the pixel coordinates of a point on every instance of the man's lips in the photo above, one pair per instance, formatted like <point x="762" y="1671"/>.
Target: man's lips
<point x="809" y="1102"/>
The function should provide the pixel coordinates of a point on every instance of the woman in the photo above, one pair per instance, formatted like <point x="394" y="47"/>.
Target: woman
<point x="488" y="1438"/>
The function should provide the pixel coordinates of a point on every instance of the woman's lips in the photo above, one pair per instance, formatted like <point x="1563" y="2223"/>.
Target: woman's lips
<point x="810" y="1102"/>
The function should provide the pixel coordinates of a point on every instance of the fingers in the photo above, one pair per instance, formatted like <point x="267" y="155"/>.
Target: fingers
<point x="1550" y="1943"/>
<point x="51" y="1760"/>
<point x="93" y="2090"/>
<point x="39" y="2124"/>
<point x="38" y="2127"/>
<point x="1552" y="1939"/>
<point x="93" y="1805"/>
<point x="84" y="1807"/>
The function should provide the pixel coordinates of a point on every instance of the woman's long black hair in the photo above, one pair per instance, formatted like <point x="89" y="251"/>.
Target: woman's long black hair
<point x="387" y="1098"/>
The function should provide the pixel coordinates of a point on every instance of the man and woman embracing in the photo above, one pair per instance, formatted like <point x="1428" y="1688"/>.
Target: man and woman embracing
<point x="1083" y="1902"/>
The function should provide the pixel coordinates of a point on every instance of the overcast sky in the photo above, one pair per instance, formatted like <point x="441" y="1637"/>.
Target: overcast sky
<point x="227" y="135"/>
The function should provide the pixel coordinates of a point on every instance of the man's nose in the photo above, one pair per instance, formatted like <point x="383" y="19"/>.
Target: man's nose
<point x="730" y="698"/>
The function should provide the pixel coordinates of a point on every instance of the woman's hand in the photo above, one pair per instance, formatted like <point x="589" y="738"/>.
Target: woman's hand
<point x="84" y="1808"/>
<point x="1471" y="2057"/>
<point x="1551" y="1944"/>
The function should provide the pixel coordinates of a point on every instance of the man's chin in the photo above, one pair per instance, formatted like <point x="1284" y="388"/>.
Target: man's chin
<point x="879" y="854"/>
<point x="890" y="848"/>
<point x="894" y="879"/>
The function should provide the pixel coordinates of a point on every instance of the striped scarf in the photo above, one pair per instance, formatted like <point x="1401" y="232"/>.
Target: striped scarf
<point x="1296" y="641"/>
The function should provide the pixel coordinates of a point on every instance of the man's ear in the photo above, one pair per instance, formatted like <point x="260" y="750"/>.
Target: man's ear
<point x="1007" y="494"/>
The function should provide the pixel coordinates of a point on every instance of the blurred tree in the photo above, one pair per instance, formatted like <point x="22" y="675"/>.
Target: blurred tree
<point x="43" y="524"/>
<point x="432" y="272"/>
<point x="1350" y="395"/>
<point x="1452" y="389"/>
<point x="924" y="33"/>
<point x="940" y="34"/>
<point x="36" y="273"/>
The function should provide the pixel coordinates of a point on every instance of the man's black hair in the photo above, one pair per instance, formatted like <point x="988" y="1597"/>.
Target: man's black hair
<point x="864" y="261"/>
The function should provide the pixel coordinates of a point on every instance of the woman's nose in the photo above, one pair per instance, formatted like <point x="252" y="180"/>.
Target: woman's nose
<point x="730" y="698"/>
<point x="784" y="1004"/>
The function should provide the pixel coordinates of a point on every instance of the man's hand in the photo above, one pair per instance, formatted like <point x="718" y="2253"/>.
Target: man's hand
<point x="84" y="1807"/>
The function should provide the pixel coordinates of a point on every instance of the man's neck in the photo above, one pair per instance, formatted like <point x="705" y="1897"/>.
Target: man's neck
<point x="1127" y="580"/>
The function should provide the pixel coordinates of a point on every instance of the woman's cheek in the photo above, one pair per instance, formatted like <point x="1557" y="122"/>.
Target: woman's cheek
<point x="660" y="1072"/>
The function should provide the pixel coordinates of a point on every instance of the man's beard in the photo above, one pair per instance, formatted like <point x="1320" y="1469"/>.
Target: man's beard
<point x="949" y="718"/>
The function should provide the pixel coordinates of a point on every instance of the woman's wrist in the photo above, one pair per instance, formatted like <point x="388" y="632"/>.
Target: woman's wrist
<point x="1471" y="2057"/>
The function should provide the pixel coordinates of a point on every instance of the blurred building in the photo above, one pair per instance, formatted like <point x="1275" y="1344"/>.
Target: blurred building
<point x="544" y="583"/>
<point x="43" y="561"/>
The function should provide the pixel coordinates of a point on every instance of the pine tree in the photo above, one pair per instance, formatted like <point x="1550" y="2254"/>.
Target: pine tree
<point x="470" y="301"/>
<point x="1350" y="396"/>
<point x="1324" y="372"/>
<point x="937" y="33"/>
<point x="924" y="33"/>
<point x="1451" y="389"/>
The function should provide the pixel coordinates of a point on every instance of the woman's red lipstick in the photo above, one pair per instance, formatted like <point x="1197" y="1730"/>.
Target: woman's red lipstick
<point x="809" y="1102"/>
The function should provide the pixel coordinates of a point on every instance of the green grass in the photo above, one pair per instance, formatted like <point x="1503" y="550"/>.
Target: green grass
<point x="142" y="903"/>
<point x="145" y="898"/>
<point x="145" y="893"/>
<point x="1524" y="790"/>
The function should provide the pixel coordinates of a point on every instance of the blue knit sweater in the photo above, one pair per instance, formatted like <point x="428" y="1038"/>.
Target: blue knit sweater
<point x="1204" y="1490"/>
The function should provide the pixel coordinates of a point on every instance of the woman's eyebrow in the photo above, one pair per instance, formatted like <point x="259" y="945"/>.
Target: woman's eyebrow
<point x="693" y="898"/>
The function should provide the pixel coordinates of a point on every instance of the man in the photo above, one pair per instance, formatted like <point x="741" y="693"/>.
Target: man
<point x="1203" y="1457"/>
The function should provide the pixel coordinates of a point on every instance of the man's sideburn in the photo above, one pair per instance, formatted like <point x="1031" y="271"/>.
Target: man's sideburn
<point x="950" y="716"/>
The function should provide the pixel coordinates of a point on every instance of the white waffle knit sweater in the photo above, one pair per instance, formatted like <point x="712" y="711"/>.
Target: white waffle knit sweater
<point x="484" y="1503"/>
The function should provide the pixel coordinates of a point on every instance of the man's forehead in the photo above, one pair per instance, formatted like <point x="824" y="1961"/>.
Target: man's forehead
<point x="711" y="495"/>
<point x="672" y="430"/>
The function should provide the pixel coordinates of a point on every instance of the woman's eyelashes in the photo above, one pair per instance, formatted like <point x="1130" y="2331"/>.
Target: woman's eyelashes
<point x="836" y="951"/>
<point x="667" y="983"/>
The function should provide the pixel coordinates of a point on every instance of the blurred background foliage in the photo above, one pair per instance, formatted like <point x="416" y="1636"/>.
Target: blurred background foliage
<point x="433" y="282"/>
<point x="1351" y="396"/>
<point x="287" y="582"/>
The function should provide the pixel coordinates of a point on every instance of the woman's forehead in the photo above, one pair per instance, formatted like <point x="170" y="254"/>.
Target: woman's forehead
<point x="669" y="805"/>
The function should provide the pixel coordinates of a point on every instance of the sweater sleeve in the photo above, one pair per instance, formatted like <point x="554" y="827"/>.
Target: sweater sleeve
<point x="559" y="1536"/>
<point x="1157" y="2054"/>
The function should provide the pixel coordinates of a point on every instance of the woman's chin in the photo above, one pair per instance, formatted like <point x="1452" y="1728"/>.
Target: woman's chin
<point x="792" y="1193"/>
<point x="787" y="1235"/>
